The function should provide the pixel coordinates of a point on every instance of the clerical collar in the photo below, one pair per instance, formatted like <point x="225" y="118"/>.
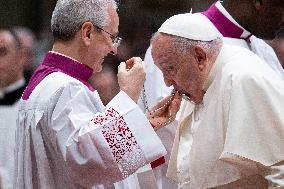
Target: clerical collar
<point x="68" y="65"/>
<point x="11" y="94"/>
<point x="225" y="23"/>
<point x="12" y="87"/>
<point x="57" y="62"/>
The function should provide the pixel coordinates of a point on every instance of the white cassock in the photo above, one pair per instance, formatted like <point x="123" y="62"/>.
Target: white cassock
<point x="155" y="88"/>
<point x="266" y="53"/>
<point x="234" y="139"/>
<point x="9" y="102"/>
<point x="66" y="138"/>
<point x="234" y="34"/>
<point x="258" y="46"/>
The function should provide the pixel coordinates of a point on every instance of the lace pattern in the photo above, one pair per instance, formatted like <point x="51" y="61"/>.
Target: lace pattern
<point x="121" y="141"/>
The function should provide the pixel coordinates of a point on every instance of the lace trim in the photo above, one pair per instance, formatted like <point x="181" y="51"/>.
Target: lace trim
<point x="121" y="141"/>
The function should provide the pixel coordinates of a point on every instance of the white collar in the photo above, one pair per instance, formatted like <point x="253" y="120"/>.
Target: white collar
<point x="216" y="67"/>
<point x="12" y="87"/>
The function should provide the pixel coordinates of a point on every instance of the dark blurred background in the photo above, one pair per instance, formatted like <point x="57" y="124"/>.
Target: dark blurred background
<point x="138" y="18"/>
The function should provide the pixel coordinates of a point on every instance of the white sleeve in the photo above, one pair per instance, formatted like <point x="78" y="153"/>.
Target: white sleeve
<point x="276" y="176"/>
<point x="255" y="129"/>
<point x="106" y="146"/>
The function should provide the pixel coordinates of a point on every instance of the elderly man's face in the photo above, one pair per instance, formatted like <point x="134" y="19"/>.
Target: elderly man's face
<point x="179" y="70"/>
<point x="9" y="59"/>
<point x="102" y="44"/>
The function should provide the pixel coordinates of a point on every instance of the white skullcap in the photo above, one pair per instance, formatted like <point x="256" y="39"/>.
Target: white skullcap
<point x="190" y="26"/>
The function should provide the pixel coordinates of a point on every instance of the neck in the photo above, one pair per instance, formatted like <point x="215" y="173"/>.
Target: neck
<point x="67" y="48"/>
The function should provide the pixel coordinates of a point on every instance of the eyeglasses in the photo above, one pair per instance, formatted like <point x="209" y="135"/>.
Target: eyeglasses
<point x="115" y="40"/>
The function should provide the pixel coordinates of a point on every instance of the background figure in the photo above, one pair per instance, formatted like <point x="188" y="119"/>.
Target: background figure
<point x="278" y="45"/>
<point x="12" y="85"/>
<point x="28" y="48"/>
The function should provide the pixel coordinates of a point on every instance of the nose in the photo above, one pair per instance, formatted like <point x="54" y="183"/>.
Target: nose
<point x="113" y="50"/>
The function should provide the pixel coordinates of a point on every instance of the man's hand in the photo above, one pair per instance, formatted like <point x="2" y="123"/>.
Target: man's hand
<point x="131" y="77"/>
<point x="166" y="112"/>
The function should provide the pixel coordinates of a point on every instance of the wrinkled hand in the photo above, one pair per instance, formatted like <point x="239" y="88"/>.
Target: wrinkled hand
<point x="131" y="77"/>
<point x="166" y="114"/>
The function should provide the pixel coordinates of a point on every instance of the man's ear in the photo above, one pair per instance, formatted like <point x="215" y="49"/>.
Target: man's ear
<point x="86" y="31"/>
<point x="257" y="4"/>
<point x="200" y="56"/>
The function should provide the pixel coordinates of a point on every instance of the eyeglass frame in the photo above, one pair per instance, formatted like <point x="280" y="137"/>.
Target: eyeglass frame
<point x="115" y="39"/>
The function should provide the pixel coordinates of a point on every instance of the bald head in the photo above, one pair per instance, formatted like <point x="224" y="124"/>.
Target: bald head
<point x="261" y="17"/>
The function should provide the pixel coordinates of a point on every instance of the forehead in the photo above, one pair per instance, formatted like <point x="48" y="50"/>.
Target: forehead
<point x="162" y="49"/>
<point x="114" y="19"/>
<point x="6" y="38"/>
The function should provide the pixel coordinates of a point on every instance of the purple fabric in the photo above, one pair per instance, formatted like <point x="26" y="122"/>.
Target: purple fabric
<point x="58" y="63"/>
<point x="222" y="23"/>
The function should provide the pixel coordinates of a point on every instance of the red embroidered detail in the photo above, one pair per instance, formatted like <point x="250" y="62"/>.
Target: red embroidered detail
<point x="121" y="141"/>
<point x="153" y="126"/>
<point x="158" y="162"/>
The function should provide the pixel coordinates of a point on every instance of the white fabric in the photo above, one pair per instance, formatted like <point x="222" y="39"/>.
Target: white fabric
<point x="266" y="53"/>
<point x="238" y="130"/>
<point x="190" y="26"/>
<point x="66" y="138"/>
<point x="8" y="117"/>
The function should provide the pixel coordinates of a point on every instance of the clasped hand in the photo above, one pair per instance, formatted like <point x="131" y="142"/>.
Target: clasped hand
<point x="164" y="112"/>
<point x="131" y="77"/>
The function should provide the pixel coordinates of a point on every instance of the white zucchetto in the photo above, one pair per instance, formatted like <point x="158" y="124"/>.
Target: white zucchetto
<point x="190" y="26"/>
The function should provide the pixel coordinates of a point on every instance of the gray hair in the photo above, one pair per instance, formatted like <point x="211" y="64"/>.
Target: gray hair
<point x="183" y="45"/>
<point x="69" y="15"/>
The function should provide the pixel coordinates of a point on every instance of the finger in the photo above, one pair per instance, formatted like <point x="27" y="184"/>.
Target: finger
<point x="162" y="102"/>
<point x="132" y="61"/>
<point x="175" y="105"/>
<point x="122" y="67"/>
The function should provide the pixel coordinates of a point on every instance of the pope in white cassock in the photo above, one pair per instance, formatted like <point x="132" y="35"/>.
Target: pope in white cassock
<point x="223" y="17"/>
<point x="65" y="137"/>
<point x="234" y="137"/>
